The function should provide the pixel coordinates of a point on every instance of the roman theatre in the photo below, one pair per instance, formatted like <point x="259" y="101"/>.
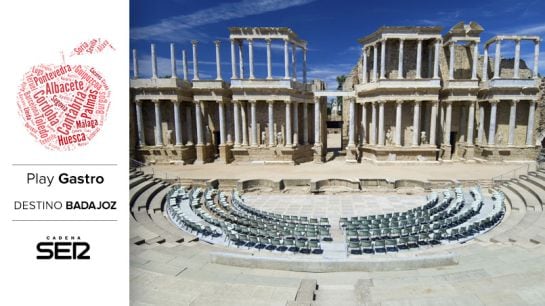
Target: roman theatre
<point x="421" y="183"/>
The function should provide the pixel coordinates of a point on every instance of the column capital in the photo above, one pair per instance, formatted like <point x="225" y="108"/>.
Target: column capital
<point x="268" y="41"/>
<point x="270" y="101"/>
<point x="194" y="42"/>
<point x="494" y="101"/>
<point x="419" y="39"/>
<point x="252" y="101"/>
<point x="287" y="101"/>
<point x="217" y="42"/>
<point x="196" y="101"/>
<point x="220" y="102"/>
<point x="155" y="101"/>
<point x="515" y="101"/>
<point x="399" y="101"/>
<point x="381" y="102"/>
<point x="138" y="102"/>
<point x="240" y="42"/>
<point x="316" y="99"/>
<point x="434" y="102"/>
<point x="233" y="40"/>
<point x="417" y="102"/>
<point x="175" y="101"/>
<point x="447" y="102"/>
<point x="537" y="40"/>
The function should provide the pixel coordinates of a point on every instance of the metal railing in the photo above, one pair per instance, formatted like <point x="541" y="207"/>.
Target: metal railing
<point x="516" y="173"/>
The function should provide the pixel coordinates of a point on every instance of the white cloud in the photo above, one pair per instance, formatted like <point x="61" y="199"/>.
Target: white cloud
<point x="181" y="27"/>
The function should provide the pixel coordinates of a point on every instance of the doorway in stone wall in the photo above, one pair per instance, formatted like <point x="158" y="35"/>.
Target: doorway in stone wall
<point x="453" y="142"/>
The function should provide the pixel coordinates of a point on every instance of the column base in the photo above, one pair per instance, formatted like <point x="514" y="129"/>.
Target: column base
<point x="319" y="153"/>
<point x="352" y="154"/>
<point x="226" y="155"/>
<point x="204" y="153"/>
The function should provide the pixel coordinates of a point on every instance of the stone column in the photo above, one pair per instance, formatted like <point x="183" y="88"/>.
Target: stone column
<point x="184" y="65"/>
<point x="221" y="112"/>
<point x="351" y="124"/>
<point x="134" y="64"/>
<point x="436" y="59"/>
<point x="419" y="59"/>
<point x="293" y="63"/>
<point x="416" y="123"/>
<point x="288" y="124"/>
<point x="475" y="61"/>
<point x="218" y="61"/>
<point x="158" y="127"/>
<point x="251" y="58"/>
<point x="305" y="65"/>
<point x="233" y="60"/>
<point x="173" y="73"/>
<point x="254" y="122"/>
<point x="177" y="122"/>
<point x="451" y="61"/>
<point x="480" y="132"/>
<point x="236" y="115"/>
<point x="374" y="62"/>
<point x="241" y="59"/>
<point x="363" y="134"/>
<point x="448" y="119"/>
<point x="271" y="123"/>
<point x="399" y="105"/>
<point x="433" y="122"/>
<point x="364" y="65"/>
<point x="485" y="63"/>
<point x="383" y="59"/>
<point x="244" y="124"/>
<point x="400" y="60"/>
<point x="140" y="124"/>
<point x="305" y="123"/>
<point x="512" y="122"/>
<point x="470" y="123"/>
<point x="536" y="58"/>
<point x="286" y="61"/>
<point x="153" y="62"/>
<point x="492" y="129"/>
<point x="517" y="59"/>
<point x="195" y="61"/>
<point x="497" y="60"/>
<point x="269" y="65"/>
<point x="373" y="123"/>
<point x="198" y="119"/>
<point x="189" y="127"/>
<point x="381" y="123"/>
<point x="295" y="123"/>
<point x="317" y="124"/>
<point x="430" y="60"/>
<point x="530" y="130"/>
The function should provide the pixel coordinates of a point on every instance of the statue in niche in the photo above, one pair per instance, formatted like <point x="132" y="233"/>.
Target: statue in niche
<point x="389" y="137"/>
<point x="499" y="138"/>
<point x="423" y="138"/>
<point x="279" y="139"/>
<point x="263" y="138"/>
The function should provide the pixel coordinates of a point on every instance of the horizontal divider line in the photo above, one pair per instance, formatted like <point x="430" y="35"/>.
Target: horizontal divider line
<point x="60" y="220"/>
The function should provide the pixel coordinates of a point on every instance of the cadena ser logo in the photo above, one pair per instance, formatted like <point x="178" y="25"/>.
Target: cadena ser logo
<point x="59" y="247"/>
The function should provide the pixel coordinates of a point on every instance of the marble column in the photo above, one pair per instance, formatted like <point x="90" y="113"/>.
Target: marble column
<point x="373" y="123"/>
<point x="195" y="61"/>
<point x="536" y="58"/>
<point x="516" y="67"/>
<point x="480" y="132"/>
<point x="286" y="61"/>
<point x="241" y="58"/>
<point x="244" y="124"/>
<point x="198" y="119"/>
<point x="305" y="123"/>
<point x="177" y="122"/>
<point x="233" y="60"/>
<point x="184" y="65"/>
<point x="383" y="59"/>
<point x="351" y="124"/>
<point x="416" y="123"/>
<point x="293" y="63"/>
<point x="251" y="58"/>
<point x="295" y="123"/>
<point x="269" y="64"/>
<point x="317" y="123"/>
<point x="375" y="62"/>
<point x="288" y="124"/>
<point x="436" y="59"/>
<point x="271" y="123"/>
<point x="221" y="111"/>
<point x="305" y="65"/>
<point x="448" y="120"/>
<point x="492" y="129"/>
<point x="400" y="60"/>
<point x="470" y="123"/>
<point x="173" y="73"/>
<point x="158" y="127"/>
<point x="399" y="108"/>
<point x="475" y="61"/>
<point x="140" y="124"/>
<point x="364" y="65"/>
<point x="419" y="59"/>
<point x="363" y="134"/>
<point x="218" y="61"/>
<point x="134" y="64"/>
<point x="153" y="62"/>
<point x="381" y="122"/>
<point x="254" y="122"/>
<point x="433" y="122"/>
<point x="512" y="122"/>
<point x="236" y="115"/>
<point x="531" y="118"/>
<point x="452" y="56"/>
<point x="485" y="63"/>
<point x="189" y="127"/>
<point x="497" y="60"/>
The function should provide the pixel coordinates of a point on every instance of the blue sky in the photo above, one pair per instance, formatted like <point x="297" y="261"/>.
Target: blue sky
<point x="330" y="27"/>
